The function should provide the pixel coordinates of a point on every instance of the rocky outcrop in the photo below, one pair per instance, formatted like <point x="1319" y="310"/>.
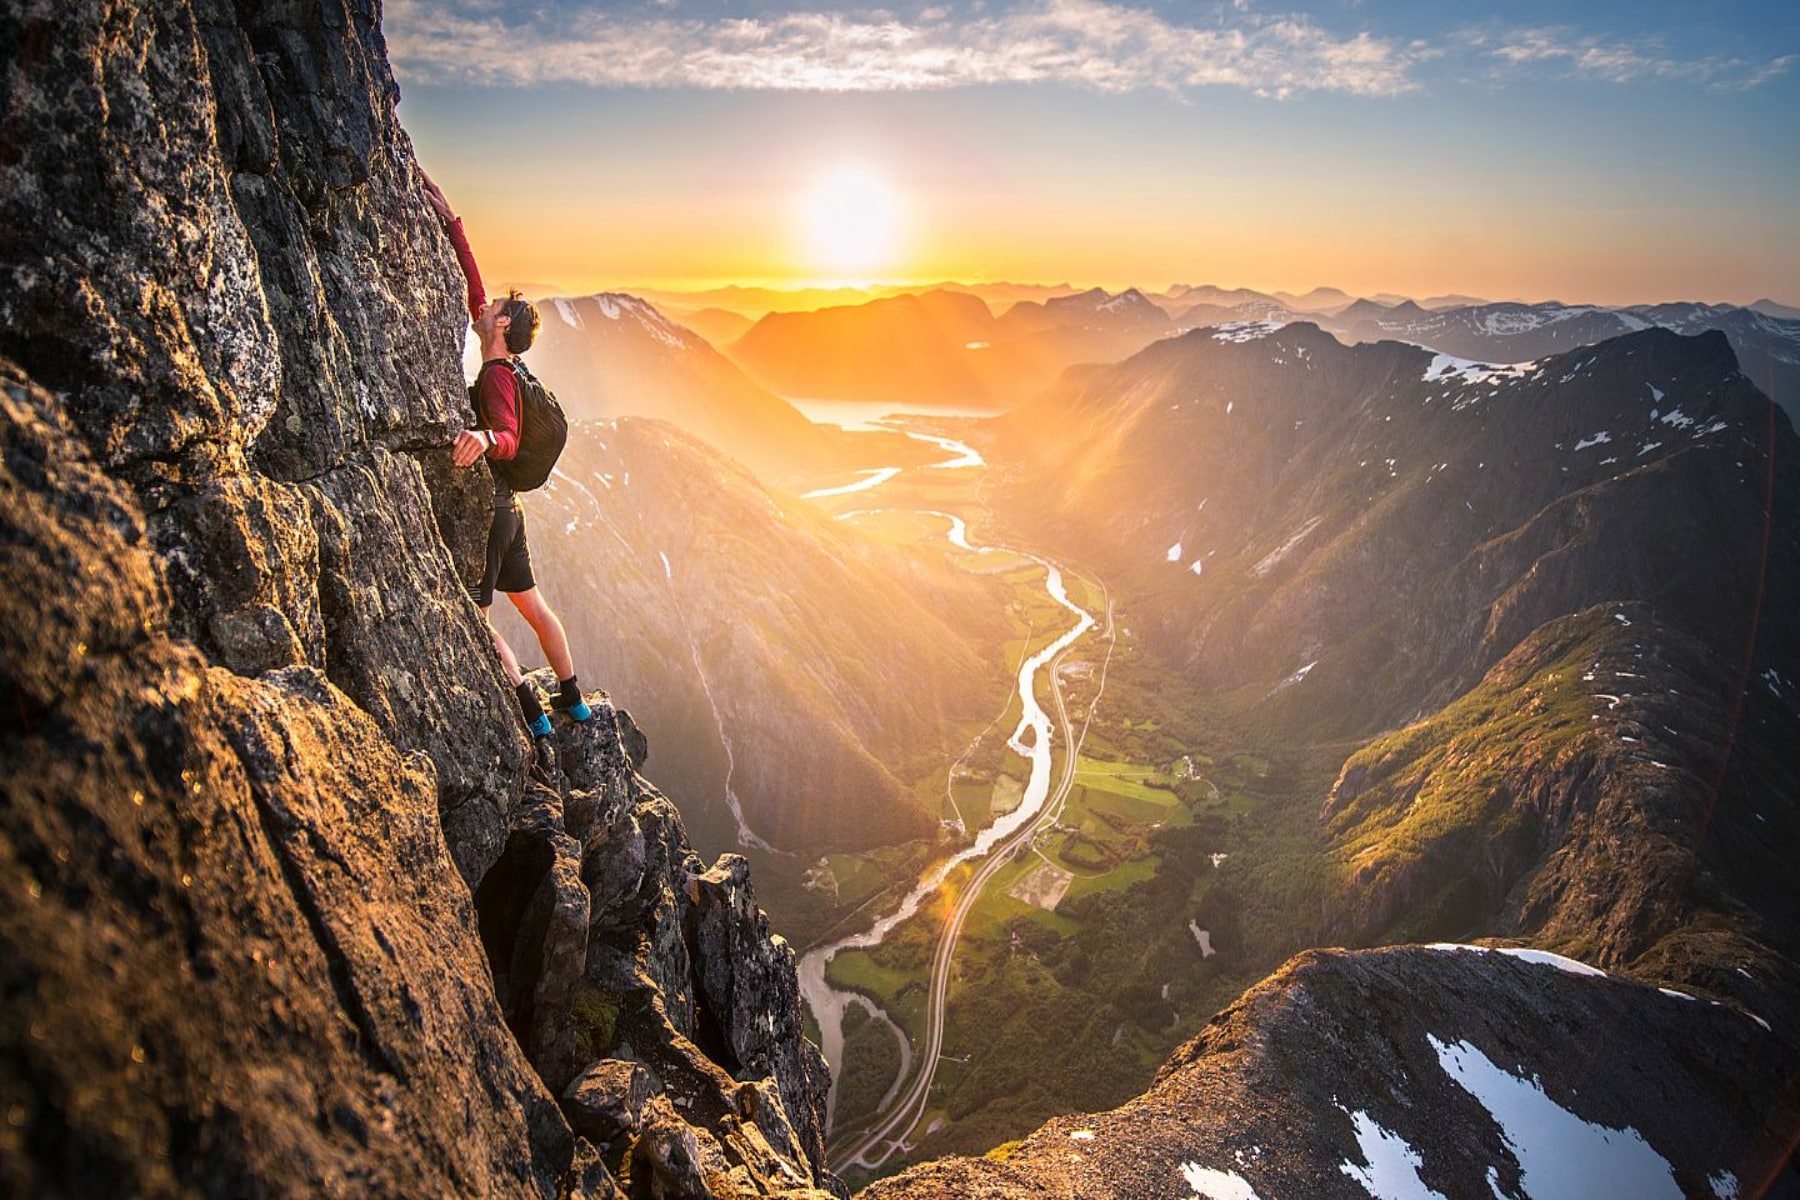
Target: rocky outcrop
<point x="645" y="986"/>
<point x="1422" y="1071"/>
<point x="291" y="907"/>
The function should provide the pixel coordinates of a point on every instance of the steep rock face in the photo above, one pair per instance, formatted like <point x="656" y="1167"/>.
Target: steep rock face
<point x="259" y="752"/>
<point x="217" y="252"/>
<point x="240" y="958"/>
<point x="1425" y="1071"/>
<point x="645" y="985"/>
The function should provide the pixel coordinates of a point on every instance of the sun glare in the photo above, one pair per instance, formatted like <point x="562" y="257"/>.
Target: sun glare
<point x="851" y="220"/>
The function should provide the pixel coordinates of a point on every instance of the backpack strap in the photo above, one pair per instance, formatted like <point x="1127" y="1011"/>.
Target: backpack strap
<point x="475" y="388"/>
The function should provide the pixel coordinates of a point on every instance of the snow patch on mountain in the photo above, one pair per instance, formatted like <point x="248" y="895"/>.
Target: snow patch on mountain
<point x="1390" y="1167"/>
<point x="1129" y="298"/>
<point x="1273" y="559"/>
<point x="1209" y="1184"/>
<point x="1447" y="367"/>
<point x="1245" y="331"/>
<point x="567" y="312"/>
<point x="615" y="306"/>
<point x="1560" y="1155"/>
<point x="1526" y="954"/>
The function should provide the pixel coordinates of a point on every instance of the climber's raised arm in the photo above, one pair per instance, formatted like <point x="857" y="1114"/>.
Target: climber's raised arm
<point x="465" y="257"/>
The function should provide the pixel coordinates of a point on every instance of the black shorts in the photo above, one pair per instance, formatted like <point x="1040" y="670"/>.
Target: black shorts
<point x="508" y="557"/>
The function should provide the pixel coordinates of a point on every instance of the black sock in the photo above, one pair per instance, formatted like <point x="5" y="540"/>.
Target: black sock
<point x="571" y="690"/>
<point x="528" y="700"/>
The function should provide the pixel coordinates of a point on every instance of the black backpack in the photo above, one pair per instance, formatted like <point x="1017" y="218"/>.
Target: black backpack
<point x="543" y="430"/>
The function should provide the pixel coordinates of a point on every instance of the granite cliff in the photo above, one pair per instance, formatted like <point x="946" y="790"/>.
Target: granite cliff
<point x="292" y="908"/>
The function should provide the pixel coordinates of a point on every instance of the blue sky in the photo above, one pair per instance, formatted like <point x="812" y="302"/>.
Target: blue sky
<point x="1609" y="152"/>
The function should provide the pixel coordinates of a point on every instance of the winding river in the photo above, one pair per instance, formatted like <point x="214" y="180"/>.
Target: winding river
<point x="1031" y="739"/>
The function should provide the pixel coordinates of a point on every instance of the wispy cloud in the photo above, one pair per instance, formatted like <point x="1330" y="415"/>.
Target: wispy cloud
<point x="1616" y="60"/>
<point x="1091" y="43"/>
<point x="1104" y="45"/>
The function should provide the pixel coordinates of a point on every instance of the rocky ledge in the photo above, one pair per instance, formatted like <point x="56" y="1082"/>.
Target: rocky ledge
<point x="1446" y="1071"/>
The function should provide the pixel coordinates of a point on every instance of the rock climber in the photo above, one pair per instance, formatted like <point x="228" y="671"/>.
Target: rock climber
<point x="506" y="327"/>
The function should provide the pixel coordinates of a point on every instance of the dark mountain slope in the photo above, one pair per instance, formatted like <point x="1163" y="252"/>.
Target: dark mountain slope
<point x="1395" y="523"/>
<point x="806" y="667"/>
<point x="1578" y="796"/>
<point x="1554" y="603"/>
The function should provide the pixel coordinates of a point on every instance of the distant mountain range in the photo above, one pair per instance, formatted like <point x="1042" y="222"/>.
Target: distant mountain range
<point x="1767" y="347"/>
<point x="753" y="302"/>
<point x="944" y="346"/>
<point x="951" y="345"/>
<point x="716" y="325"/>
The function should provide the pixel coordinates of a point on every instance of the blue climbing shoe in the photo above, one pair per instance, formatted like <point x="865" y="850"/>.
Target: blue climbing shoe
<point x="539" y="726"/>
<point x="575" y="705"/>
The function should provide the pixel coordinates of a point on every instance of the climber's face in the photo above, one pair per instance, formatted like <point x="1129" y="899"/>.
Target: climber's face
<point x="493" y="318"/>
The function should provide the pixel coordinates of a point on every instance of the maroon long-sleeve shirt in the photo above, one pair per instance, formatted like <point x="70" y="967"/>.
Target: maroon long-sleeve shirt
<point x="497" y="391"/>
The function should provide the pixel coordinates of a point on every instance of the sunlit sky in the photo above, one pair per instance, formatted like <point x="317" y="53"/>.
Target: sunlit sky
<point x="1609" y="152"/>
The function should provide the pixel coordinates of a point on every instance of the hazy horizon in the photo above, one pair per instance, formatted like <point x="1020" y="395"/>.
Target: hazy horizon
<point x="542" y="289"/>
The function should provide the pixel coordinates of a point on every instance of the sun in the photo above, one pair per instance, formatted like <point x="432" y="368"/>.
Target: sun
<point x="851" y="220"/>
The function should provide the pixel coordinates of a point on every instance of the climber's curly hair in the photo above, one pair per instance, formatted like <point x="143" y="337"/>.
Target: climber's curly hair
<point x="523" y="316"/>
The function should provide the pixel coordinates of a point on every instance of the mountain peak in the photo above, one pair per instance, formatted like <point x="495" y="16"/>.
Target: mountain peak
<point x="1703" y="356"/>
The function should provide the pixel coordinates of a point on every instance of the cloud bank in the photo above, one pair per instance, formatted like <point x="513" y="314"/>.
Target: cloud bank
<point x="1087" y="43"/>
<point x="1095" y="44"/>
